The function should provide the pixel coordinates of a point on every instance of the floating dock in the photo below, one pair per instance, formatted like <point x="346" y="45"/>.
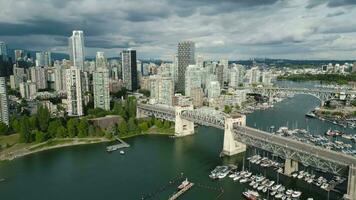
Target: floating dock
<point x="115" y="147"/>
<point x="180" y="192"/>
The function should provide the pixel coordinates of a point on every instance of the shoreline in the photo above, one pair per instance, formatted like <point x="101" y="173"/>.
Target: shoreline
<point x="35" y="148"/>
<point x="9" y="156"/>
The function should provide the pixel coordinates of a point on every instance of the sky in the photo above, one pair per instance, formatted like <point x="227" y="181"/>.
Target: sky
<point x="233" y="29"/>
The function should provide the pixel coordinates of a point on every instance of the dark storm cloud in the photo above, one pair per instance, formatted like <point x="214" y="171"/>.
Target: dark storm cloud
<point x="37" y="26"/>
<point x="154" y="27"/>
<point x="335" y="14"/>
<point x="331" y="3"/>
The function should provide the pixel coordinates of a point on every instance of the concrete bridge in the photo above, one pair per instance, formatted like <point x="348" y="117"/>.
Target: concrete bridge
<point x="237" y="135"/>
<point x="323" y="95"/>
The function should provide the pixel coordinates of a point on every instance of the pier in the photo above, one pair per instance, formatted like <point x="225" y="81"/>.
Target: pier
<point x="182" y="191"/>
<point x="115" y="147"/>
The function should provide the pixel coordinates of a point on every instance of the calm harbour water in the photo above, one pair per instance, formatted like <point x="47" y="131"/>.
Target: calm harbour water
<point x="88" y="172"/>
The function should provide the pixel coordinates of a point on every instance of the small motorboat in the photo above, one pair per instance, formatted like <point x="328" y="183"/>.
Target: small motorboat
<point x="296" y="194"/>
<point x="122" y="152"/>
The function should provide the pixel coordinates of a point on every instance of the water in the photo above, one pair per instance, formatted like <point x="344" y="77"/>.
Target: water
<point x="88" y="172"/>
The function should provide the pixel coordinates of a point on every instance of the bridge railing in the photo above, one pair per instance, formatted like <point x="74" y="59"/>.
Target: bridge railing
<point x="326" y="154"/>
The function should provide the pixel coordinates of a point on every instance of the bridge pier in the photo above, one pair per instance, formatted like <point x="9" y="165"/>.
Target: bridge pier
<point x="351" y="185"/>
<point x="140" y="114"/>
<point x="290" y="166"/>
<point x="183" y="127"/>
<point x="231" y="146"/>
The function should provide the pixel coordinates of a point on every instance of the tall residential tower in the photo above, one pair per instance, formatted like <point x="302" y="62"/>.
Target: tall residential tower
<point x="129" y="69"/>
<point x="186" y="57"/>
<point x="76" y="49"/>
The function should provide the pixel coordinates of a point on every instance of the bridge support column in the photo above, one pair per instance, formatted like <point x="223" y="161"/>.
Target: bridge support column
<point x="183" y="127"/>
<point x="290" y="166"/>
<point x="140" y="114"/>
<point x="351" y="185"/>
<point x="231" y="146"/>
<point x="322" y="103"/>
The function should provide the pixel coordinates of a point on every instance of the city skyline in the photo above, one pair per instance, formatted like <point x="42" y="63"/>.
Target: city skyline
<point x="233" y="29"/>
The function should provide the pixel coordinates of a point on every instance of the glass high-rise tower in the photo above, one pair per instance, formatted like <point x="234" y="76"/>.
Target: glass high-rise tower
<point x="186" y="57"/>
<point x="129" y="69"/>
<point x="76" y="49"/>
<point x="3" y="51"/>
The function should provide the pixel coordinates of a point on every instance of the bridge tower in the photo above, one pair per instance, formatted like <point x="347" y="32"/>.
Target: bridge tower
<point x="231" y="146"/>
<point x="183" y="127"/>
<point x="351" y="185"/>
<point x="290" y="166"/>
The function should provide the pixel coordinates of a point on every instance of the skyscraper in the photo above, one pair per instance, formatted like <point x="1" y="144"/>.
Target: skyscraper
<point x="3" y="51"/>
<point x="220" y="74"/>
<point x="129" y="69"/>
<point x="43" y="59"/>
<point x="234" y="77"/>
<point x="4" y="106"/>
<point x="74" y="92"/>
<point x="76" y="49"/>
<point x="186" y="57"/>
<point x="100" y="61"/>
<point x="19" y="54"/>
<point x="213" y="89"/>
<point x="101" y="88"/>
<point x="192" y="79"/>
<point x="162" y="89"/>
<point x="59" y="77"/>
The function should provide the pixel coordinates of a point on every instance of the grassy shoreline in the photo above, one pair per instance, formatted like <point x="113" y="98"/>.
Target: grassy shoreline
<point x="18" y="150"/>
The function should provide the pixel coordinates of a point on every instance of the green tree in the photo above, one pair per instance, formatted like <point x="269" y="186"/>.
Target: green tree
<point x="98" y="112"/>
<point x="131" y="106"/>
<point x="39" y="136"/>
<point x="91" y="130"/>
<point x="147" y="93"/>
<point x="61" y="132"/>
<point x="158" y="123"/>
<point x="43" y="117"/>
<point x="118" y="108"/>
<point x="25" y="134"/>
<point x="52" y="128"/>
<point x="123" y="129"/>
<point x="237" y="107"/>
<point x="15" y="125"/>
<point x="166" y="124"/>
<point x="4" y="129"/>
<point x="132" y="126"/>
<point x="121" y="93"/>
<point x="144" y="126"/>
<point x="83" y="128"/>
<point x="72" y="127"/>
<point x="353" y="103"/>
<point x="33" y="122"/>
<point x="227" y="109"/>
<point x="108" y="135"/>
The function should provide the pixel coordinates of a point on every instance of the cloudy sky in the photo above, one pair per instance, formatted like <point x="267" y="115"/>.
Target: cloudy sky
<point x="236" y="29"/>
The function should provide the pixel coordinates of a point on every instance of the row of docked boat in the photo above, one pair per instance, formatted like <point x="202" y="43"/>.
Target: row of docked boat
<point x="261" y="184"/>
<point x="221" y="171"/>
<point x="321" y="182"/>
<point x="265" y="162"/>
<point x="319" y="140"/>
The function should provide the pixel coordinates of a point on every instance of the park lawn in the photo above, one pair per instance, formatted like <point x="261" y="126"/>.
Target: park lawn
<point x="63" y="141"/>
<point x="9" y="139"/>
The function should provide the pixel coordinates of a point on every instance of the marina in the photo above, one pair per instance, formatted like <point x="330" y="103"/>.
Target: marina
<point x="333" y="140"/>
<point x="259" y="184"/>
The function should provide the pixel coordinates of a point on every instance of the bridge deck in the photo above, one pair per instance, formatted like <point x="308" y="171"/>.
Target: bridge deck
<point x="296" y="145"/>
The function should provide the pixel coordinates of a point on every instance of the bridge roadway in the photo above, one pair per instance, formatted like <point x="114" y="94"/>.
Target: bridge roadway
<point x="305" y="153"/>
<point x="309" y="90"/>
<point x="302" y="152"/>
